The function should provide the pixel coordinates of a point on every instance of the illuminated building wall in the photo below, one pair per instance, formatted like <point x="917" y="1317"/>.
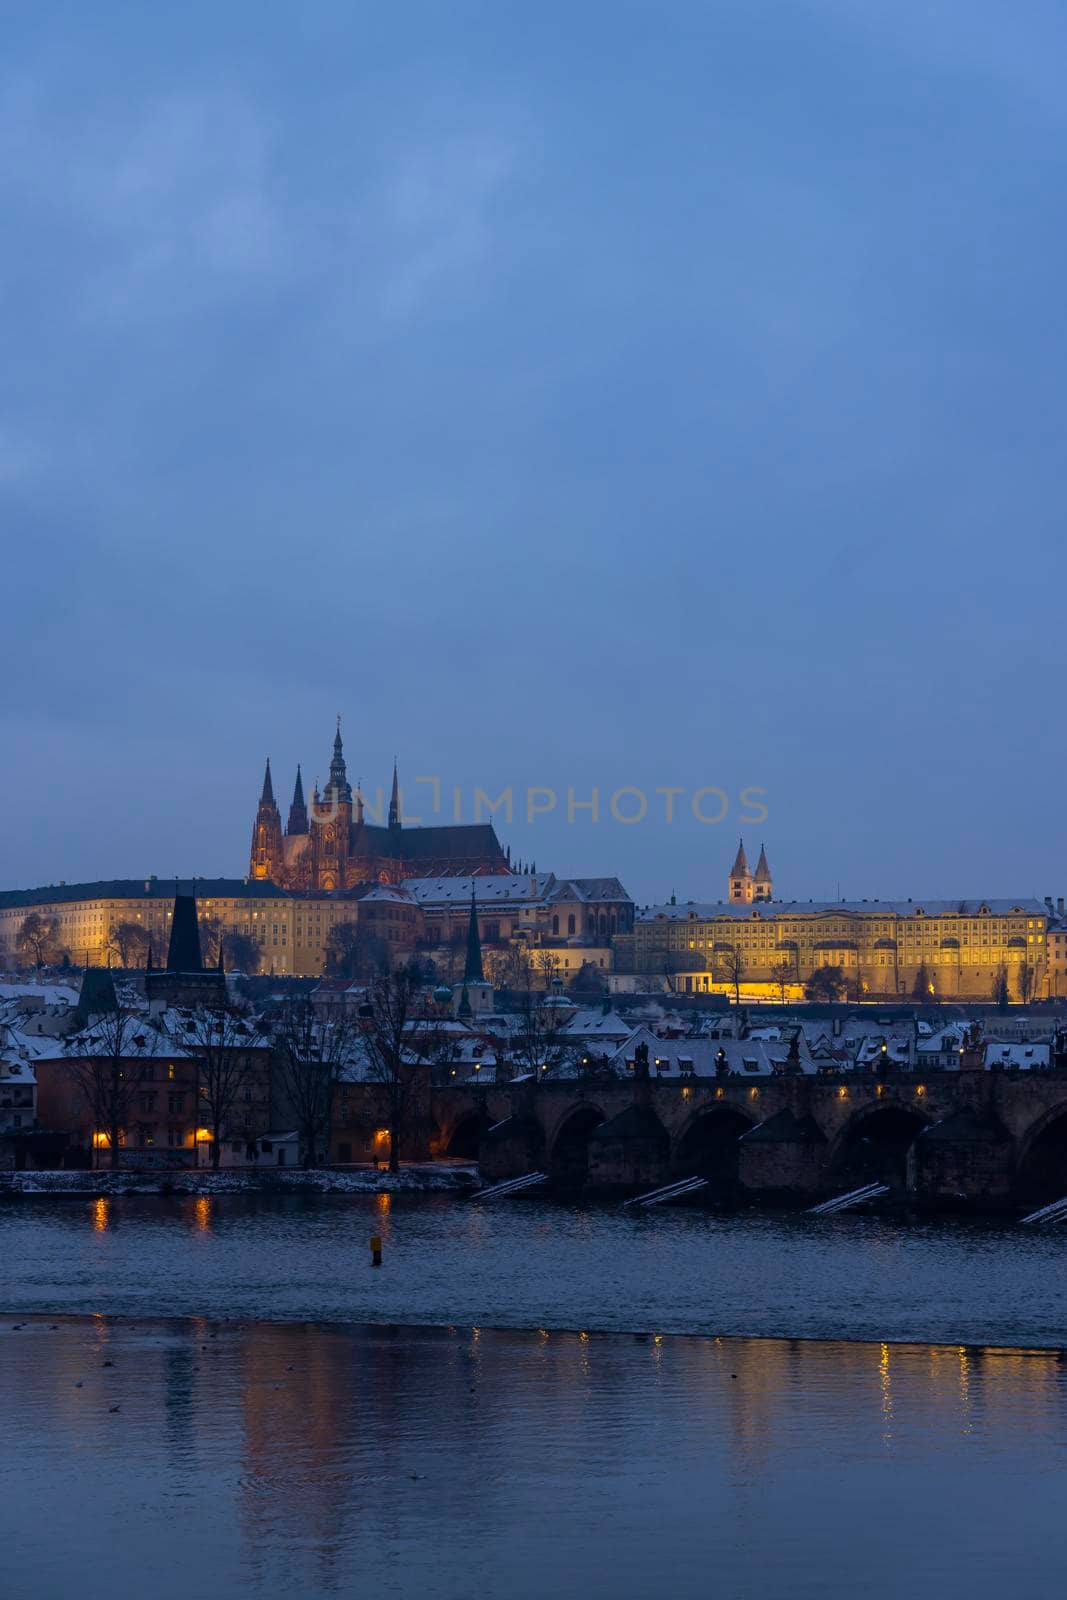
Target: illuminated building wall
<point x="883" y="947"/>
<point x="290" y="932"/>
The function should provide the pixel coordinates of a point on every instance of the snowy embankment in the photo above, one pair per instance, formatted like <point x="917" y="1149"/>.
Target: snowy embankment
<point x="410" y="1180"/>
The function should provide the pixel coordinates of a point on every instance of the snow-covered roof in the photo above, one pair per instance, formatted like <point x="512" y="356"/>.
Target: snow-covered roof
<point x="766" y="911"/>
<point x="491" y="888"/>
<point x="593" y="1023"/>
<point x="699" y="1058"/>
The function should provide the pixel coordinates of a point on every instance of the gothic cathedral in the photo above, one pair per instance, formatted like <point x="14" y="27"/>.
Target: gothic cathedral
<point x="330" y="845"/>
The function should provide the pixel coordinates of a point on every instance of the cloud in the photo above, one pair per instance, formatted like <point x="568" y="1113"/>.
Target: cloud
<point x="438" y="213"/>
<point x="1022" y="53"/>
<point x="169" y="197"/>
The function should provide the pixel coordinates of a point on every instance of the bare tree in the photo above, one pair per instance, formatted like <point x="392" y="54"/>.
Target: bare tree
<point x="393" y="1008"/>
<point x="827" y="985"/>
<point x="730" y="962"/>
<point x="538" y="1045"/>
<point x="38" y="939"/>
<point x="110" y="1066"/>
<point x="922" y="988"/>
<point x="313" y="1046"/>
<point x="129" y="941"/>
<point x="210" y="937"/>
<point x="509" y="968"/>
<point x="782" y="976"/>
<point x="1027" y="980"/>
<point x="352" y="952"/>
<point x="227" y="1048"/>
<point x="999" y="988"/>
<point x="546" y="965"/>
<point x="240" y="952"/>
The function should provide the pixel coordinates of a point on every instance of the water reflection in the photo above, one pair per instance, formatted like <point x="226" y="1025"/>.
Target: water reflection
<point x="101" y="1214"/>
<point x="293" y="1458"/>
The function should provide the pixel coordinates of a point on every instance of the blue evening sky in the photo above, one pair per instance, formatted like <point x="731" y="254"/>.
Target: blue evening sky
<point x="630" y="394"/>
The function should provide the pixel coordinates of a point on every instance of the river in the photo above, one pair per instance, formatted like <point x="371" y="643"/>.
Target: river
<point x="529" y="1264"/>
<point x="223" y="1397"/>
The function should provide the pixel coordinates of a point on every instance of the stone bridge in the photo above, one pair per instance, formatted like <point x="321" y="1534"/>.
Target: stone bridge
<point x="970" y="1137"/>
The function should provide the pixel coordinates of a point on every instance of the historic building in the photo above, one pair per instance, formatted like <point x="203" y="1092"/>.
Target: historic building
<point x="332" y="845"/>
<point x="927" y="949"/>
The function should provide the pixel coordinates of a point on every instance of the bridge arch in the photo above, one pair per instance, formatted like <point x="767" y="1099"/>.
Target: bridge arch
<point x="465" y="1139"/>
<point x="874" y="1143"/>
<point x="1041" y="1167"/>
<point x="568" y="1161"/>
<point x="706" y="1146"/>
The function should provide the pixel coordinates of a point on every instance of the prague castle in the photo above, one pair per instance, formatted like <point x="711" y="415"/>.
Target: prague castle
<point x="920" y="949"/>
<point x="330" y="845"/>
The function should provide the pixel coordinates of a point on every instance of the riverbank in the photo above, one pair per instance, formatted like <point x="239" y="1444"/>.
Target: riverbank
<point x="271" y="1180"/>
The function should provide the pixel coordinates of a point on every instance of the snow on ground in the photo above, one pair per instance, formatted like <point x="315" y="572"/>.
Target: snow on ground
<point x="411" y="1180"/>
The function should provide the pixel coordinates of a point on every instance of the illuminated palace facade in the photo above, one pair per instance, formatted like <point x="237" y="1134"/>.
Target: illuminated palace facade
<point x="291" y="933"/>
<point x="886" y="949"/>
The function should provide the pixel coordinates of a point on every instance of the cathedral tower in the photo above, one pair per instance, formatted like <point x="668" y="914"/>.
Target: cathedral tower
<point x="266" y="859"/>
<point x="763" y="885"/>
<point x="332" y="824"/>
<point x="742" y="887"/>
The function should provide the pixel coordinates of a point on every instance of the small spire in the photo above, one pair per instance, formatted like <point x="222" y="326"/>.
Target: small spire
<point x="267" y="797"/>
<point x="394" y="800"/>
<point x="298" y="814"/>
<point x="740" y="866"/>
<point x="472" y="967"/>
<point x="763" y="871"/>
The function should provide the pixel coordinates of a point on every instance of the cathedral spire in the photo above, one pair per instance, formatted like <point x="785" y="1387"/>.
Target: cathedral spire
<point x="267" y="797"/>
<point x="394" y="800"/>
<point x="764" y="886"/>
<point x="338" y="787"/>
<point x="298" y="812"/>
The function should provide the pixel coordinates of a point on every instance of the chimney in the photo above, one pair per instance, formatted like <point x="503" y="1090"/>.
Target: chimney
<point x="1059" y="906"/>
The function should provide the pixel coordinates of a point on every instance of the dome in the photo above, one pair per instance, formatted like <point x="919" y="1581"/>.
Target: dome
<point x="442" y="993"/>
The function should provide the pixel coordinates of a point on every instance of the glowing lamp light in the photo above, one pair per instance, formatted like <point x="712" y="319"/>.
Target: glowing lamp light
<point x="920" y="1089"/>
<point x="842" y="1093"/>
<point x="719" y="1094"/>
<point x="100" y="1141"/>
<point x="753" y="1093"/>
<point x="203" y="1135"/>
